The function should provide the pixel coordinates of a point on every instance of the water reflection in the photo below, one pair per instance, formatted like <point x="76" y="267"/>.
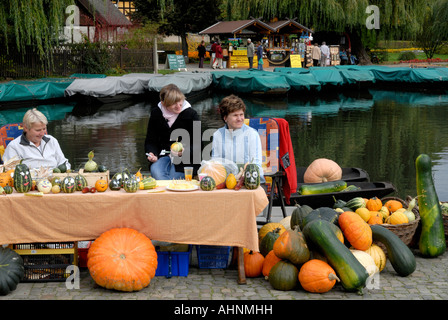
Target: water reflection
<point x="380" y="131"/>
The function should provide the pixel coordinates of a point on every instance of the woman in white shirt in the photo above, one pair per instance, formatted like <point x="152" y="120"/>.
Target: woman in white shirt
<point x="236" y="141"/>
<point x="35" y="146"/>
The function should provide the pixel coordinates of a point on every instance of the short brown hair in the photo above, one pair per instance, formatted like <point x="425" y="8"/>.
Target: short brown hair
<point x="170" y="94"/>
<point x="230" y="104"/>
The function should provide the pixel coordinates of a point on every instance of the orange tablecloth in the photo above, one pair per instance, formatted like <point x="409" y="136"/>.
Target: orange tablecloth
<point x="219" y="217"/>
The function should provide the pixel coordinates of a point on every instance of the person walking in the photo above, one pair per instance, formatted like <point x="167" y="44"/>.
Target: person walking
<point x="201" y="53"/>
<point x="325" y="54"/>
<point x="250" y="53"/>
<point x="316" y="55"/>
<point x="260" y="56"/>
<point x="218" y="56"/>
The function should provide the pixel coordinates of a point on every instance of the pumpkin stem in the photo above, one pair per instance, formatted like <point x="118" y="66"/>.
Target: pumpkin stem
<point x="332" y="277"/>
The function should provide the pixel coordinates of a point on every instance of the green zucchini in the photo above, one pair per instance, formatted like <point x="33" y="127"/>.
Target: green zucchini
<point x="400" y="256"/>
<point x="350" y="271"/>
<point x="432" y="238"/>
<point x="324" y="187"/>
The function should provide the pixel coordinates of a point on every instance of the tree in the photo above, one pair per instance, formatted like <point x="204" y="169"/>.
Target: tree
<point x="398" y="19"/>
<point x="177" y="17"/>
<point x="33" y="23"/>
<point x="434" y="32"/>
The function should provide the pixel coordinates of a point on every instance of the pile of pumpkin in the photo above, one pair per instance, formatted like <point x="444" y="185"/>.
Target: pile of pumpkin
<point x="316" y="248"/>
<point x="376" y="211"/>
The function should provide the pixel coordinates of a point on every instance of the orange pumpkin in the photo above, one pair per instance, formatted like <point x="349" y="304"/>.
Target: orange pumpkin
<point x="317" y="276"/>
<point x="374" y="204"/>
<point x="269" y="261"/>
<point x="6" y="179"/>
<point x="253" y="264"/>
<point x="355" y="230"/>
<point x="322" y="170"/>
<point x="376" y="217"/>
<point x="393" y="205"/>
<point x="122" y="259"/>
<point x="101" y="185"/>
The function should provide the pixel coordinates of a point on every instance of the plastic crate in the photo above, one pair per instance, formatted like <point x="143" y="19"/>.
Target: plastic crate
<point x="172" y="263"/>
<point x="213" y="257"/>
<point x="47" y="262"/>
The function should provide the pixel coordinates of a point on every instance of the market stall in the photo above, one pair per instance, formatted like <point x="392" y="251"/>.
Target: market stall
<point x="280" y="39"/>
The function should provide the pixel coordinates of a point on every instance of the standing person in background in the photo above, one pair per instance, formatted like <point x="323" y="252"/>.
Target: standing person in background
<point x="250" y="53"/>
<point x="316" y="55"/>
<point x="213" y="55"/>
<point x="260" y="56"/>
<point x="173" y="112"/>
<point x="218" y="56"/>
<point x="325" y="54"/>
<point x="201" y="54"/>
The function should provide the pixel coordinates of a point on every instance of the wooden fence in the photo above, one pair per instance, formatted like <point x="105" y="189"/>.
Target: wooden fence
<point x="67" y="60"/>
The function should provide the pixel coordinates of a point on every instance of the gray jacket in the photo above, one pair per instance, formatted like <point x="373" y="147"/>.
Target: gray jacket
<point x="250" y="50"/>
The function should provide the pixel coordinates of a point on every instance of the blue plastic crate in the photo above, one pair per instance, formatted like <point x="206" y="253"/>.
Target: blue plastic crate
<point x="213" y="257"/>
<point x="172" y="263"/>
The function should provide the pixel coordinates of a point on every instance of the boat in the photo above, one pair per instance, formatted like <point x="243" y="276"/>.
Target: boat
<point x="367" y="189"/>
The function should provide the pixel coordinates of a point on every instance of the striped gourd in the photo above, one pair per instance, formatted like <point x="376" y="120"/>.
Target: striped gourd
<point x="68" y="184"/>
<point x="80" y="182"/>
<point x="22" y="178"/>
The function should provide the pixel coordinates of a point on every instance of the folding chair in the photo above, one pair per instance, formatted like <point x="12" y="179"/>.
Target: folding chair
<point x="268" y="130"/>
<point x="9" y="132"/>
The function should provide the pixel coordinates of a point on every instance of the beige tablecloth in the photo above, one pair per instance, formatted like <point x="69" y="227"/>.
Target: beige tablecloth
<point x="219" y="217"/>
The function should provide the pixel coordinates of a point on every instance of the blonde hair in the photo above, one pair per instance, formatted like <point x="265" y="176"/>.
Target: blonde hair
<point x="33" y="116"/>
<point x="170" y="94"/>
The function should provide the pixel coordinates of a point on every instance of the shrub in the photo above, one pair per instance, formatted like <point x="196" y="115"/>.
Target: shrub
<point x="407" y="55"/>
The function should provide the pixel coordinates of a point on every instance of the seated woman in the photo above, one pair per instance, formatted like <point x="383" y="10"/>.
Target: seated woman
<point x="35" y="146"/>
<point x="172" y="113"/>
<point x="236" y="141"/>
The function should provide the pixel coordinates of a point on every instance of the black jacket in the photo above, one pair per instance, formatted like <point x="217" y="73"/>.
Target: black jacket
<point x="158" y="136"/>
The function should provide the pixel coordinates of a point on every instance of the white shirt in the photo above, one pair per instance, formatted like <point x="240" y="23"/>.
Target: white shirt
<point x="240" y="146"/>
<point x="48" y="154"/>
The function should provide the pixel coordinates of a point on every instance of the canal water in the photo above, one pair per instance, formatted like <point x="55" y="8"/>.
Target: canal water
<point x="382" y="132"/>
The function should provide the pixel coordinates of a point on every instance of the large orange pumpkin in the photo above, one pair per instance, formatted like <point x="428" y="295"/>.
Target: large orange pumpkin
<point x="355" y="230"/>
<point x="317" y="276"/>
<point x="322" y="170"/>
<point x="122" y="259"/>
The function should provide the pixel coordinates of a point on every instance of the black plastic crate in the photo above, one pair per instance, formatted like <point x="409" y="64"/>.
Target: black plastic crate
<point x="45" y="262"/>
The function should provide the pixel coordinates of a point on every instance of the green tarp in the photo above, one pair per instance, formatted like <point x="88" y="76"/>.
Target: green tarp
<point x="42" y="89"/>
<point x="248" y="81"/>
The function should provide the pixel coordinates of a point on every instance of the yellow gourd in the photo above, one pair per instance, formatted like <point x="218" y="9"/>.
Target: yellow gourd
<point x="397" y="217"/>
<point x="231" y="181"/>
<point x="364" y="213"/>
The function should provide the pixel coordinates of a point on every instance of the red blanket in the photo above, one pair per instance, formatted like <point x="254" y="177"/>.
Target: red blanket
<point x="287" y="159"/>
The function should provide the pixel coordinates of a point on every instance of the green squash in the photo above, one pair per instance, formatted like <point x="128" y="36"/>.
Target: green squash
<point x="149" y="183"/>
<point x="324" y="213"/>
<point x="267" y="244"/>
<point x="284" y="276"/>
<point x="22" y="178"/>
<point x="400" y="256"/>
<point x="114" y="185"/>
<point x="207" y="184"/>
<point x="12" y="270"/>
<point x="252" y="176"/>
<point x="68" y="184"/>
<point x="356" y="203"/>
<point x="130" y="185"/>
<point x="298" y="214"/>
<point x="350" y="271"/>
<point x="122" y="176"/>
<point x="80" y="182"/>
<point x="8" y="189"/>
<point x="432" y="237"/>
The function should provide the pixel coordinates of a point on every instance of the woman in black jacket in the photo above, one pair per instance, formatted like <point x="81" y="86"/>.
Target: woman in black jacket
<point x="172" y="120"/>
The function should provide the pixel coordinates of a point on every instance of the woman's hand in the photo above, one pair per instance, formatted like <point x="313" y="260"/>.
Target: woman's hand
<point x="152" y="157"/>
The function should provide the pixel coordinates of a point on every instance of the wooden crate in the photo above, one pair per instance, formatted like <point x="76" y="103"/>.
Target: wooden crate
<point x="91" y="177"/>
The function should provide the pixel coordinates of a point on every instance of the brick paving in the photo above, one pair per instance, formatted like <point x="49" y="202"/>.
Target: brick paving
<point x="428" y="282"/>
